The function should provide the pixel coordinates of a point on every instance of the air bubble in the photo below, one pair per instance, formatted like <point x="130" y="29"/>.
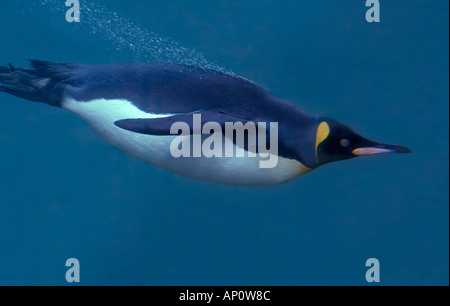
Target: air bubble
<point x="124" y="34"/>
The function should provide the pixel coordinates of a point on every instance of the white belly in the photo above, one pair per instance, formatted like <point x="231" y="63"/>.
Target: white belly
<point x="101" y="114"/>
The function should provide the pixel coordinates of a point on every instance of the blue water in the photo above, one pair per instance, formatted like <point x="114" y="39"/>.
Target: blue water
<point x="64" y="193"/>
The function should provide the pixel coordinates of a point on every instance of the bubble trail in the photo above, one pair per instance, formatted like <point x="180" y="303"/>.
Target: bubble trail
<point x="124" y="34"/>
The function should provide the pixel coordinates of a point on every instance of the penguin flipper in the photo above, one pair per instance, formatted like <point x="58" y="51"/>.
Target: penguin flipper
<point x="162" y="126"/>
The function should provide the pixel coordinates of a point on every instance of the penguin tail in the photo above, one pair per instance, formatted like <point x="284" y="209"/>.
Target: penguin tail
<point x="46" y="82"/>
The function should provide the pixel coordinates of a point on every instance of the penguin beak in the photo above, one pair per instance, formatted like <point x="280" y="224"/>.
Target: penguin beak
<point x="380" y="148"/>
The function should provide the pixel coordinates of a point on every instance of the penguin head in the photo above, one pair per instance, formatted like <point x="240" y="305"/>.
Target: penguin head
<point x="335" y="141"/>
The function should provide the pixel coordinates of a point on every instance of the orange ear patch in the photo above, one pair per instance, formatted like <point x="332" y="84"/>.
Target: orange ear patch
<point x="322" y="133"/>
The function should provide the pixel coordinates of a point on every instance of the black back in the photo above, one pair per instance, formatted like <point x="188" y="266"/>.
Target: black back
<point x="173" y="89"/>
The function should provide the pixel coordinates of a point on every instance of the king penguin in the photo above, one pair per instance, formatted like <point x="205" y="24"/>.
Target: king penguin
<point x="132" y="107"/>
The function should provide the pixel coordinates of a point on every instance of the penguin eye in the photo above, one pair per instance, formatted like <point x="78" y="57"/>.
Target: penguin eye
<point x="344" y="142"/>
